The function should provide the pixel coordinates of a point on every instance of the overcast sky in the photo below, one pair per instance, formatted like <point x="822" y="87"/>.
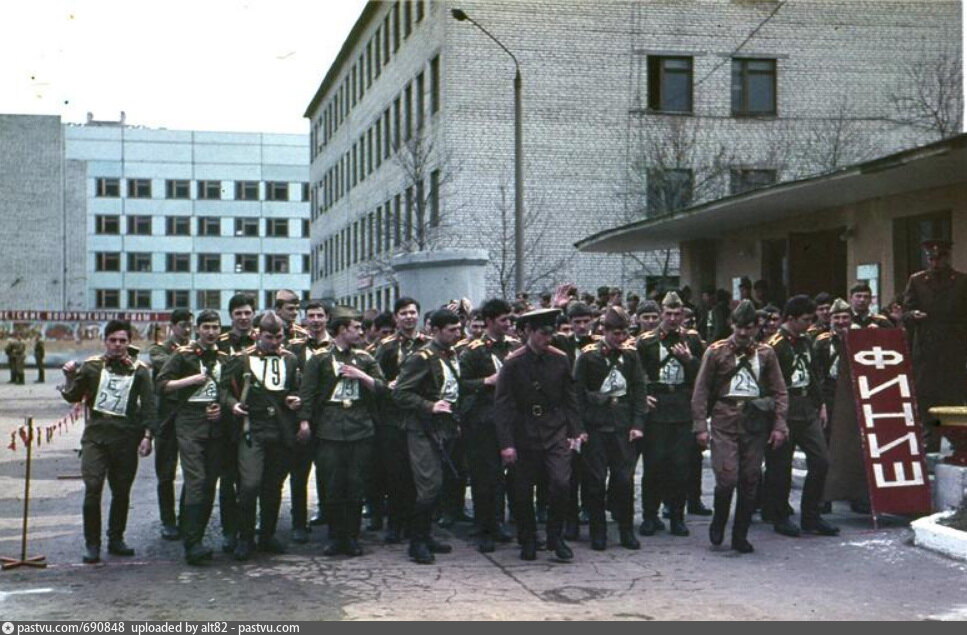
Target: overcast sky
<point x="228" y="65"/>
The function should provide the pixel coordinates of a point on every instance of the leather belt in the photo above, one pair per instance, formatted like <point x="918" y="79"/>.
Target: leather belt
<point x="663" y="389"/>
<point x="799" y="392"/>
<point x="735" y="402"/>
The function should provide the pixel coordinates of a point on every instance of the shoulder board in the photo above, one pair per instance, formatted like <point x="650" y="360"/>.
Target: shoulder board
<point x="596" y="338"/>
<point x="297" y="340"/>
<point x="188" y="348"/>
<point x="512" y="339"/>
<point x="775" y="340"/>
<point x="648" y="336"/>
<point x="224" y="337"/>
<point x="422" y="352"/>
<point x="557" y="351"/>
<point x="298" y="328"/>
<point x="388" y="339"/>
<point x="464" y="342"/>
<point x="718" y="344"/>
<point x="516" y="353"/>
<point x="475" y="344"/>
<point x="93" y="358"/>
<point x="140" y="364"/>
<point x="692" y="332"/>
<point x="588" y="348"/>
<point x="629" y="346"/>
<point x="364" y="352"/>
<point x="249" y="350"/>
<point x="880" y="316"/>
<point x="825" y="335"/>
<point x="762" y="347"/>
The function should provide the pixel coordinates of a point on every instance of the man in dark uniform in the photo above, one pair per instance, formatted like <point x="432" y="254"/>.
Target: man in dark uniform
<point x="241" y="336"/>
<point x="16" y="352"/>
<point x="739" y="389"/>
<point x="612" y="400"/>
<point x="119" y="396"/>
<point x="770" y="318"/>
<point x="538" y="426"/>
<point x="831" y="353"/>
<point x="479" y="366"/>
<point x="824" y="302"/>
<point x="670" y="356"/>
<point x="427" y="391"/>
<point x="191" y="376"/>
<point x="860" y="298"/>
<point x="166" y="443"/>
<point x="39" y="353"/>
<point x="806" y="419"/>
<point x="267" y="436"/>
<point x="390" y="428"/>
<point x="649" y="315"/>
<point x="316" y="340"/>
<point x="935" y="305"/>
<point x="339" y="390"/>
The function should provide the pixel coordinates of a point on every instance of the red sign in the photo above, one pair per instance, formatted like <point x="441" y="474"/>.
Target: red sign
<point x="890" y="428"/>
<point x="84" y="316"/>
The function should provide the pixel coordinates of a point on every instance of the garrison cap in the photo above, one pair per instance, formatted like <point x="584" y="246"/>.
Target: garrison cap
<point x="539" y="318"/>
<point x="615" y="318"/>
<point x="839" y="306"/>
<point x="744" y="314"/>
<point x="672" y="301"/>
<point x="648" y="306"/>
<point x="342" y="312"/>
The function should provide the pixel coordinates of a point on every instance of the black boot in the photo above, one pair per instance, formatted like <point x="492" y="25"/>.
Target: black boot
<point x="194" y="532"/>
<point x="740" y="528"/>
<point x="723" y="505"/>
<point x="598" y="529"/>
<point x="334" y="516"/>
<point x="92" y="554"/>
<point x="626" y="532"/>
<point x="353" y="516"/>
<point x="676" y="522"/>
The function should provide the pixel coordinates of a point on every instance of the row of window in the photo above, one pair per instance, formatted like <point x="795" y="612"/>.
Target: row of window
<point x="671" y="190"/>
<point x="179" y="262"/>
<point x="395" y="126"/>
<point x="141" y="225"/>
<point x="110" y="187"/>
<point x="403" y="219"/>
<point x="671" y="82"/>
<point x="385" y="41"/>
<point x="177" y="298"/>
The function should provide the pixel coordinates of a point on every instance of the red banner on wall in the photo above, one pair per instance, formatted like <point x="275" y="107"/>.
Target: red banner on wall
<point x="889" y="422"/>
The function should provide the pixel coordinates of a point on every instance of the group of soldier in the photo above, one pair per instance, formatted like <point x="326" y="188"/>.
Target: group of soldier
<point x="16" y="352"/>
<point x="559" y="400"/>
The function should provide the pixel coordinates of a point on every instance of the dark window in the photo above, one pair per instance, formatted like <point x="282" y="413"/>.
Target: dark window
<point x="397" y="122"/>
<point x="246" y="190"/>
<point x="276" y="263"/>
<point x="108" y="188"/>
<point x="108" y="299"/>
<point x="139" y="299"/>
<point x="434" y="198"/>
<point x="209" y="263"/>
<point x="377" y="55"/>
<point x="386" y="35"/>
<point x="209" y="226"/>
<point x="269" y="298"/>
<point x="753" y="87"/>
<point x="139" y="225"/>
<point x="369" y="64"/>
<point x="670" y="84"/>
<point x="139" y="261"/>
<point x="277" y="227"/>
<point x="210" y="190"/>
<point x="276" y="191"/>
<point x="247" y="227"/>
<point x="352" y="75"/>
<point x="107" y="261"/>
<point x="387" y="135"/>
<point x="177" y="263"/>
<point x="209" y="299"/>
<point x="306" y="266"/>
<point x="107" y="224"/>
<point x="419" y="101"/>
<point x="246" y="263"/>
<point x="408" y="110"/>
<point x="305" y="228"/>
<point x="305" y="192"/>
<point x="669" y="190"/>
<point x="176" y="299"/>
<point x="407" y="19"/>
<point x="379" y="143"/>
<point x="747" y="180"/>
<point x="419" y="10"/>
<point x="177" y="188"/>
<point x="178" y="225"/>
<point x="435" y="84"/>
<point x="139" y="188"/>
<point x="396" y="27"/>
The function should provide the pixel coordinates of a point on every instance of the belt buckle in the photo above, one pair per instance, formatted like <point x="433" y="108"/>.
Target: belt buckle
<point x="347" y="403"/>
<point x="614" y="401"/>
<point x="270" y="411"/>
<point x="537" y="410"/>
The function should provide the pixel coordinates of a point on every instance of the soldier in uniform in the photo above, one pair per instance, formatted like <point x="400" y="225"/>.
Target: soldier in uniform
<point x="717" y="320"/>
<point x="316" y="340"/>
<point x="390" y="428"/>
<point x="830" y="354"/>
<point x="39" y="353"/>
<point x="860" y="298"/>
<point x="17" y="358"/>
<point x="339" y="389"/>
<point x="935" y="304"/>
<point x="381" y="327"/>
<point x="670" y="356"/>
<point x="537" y="429"/>
<point x="119" y="396"/>
<point x="480" y="364"/>
<point x="267" y="421"/>
<point x="739" y="388"/>
<point x="166" y="443"/>
<point x="649" y="315"/>
<point x="191" y="376"/>
<point x="427" y="391"/>
<point x="287" y="308"/>
<point x="770" y="318"/>
<point x="824" y="302"/>
<point x="806" y="419"/>
<point x="611" y="397"/>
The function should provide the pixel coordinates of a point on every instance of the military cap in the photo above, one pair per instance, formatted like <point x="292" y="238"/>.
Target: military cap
<point x="578" y="309"/>
<point x="744" y="314"/>
<point x="936" y="246"/>
<point x="672" y="301"/>
<point x="539" y="318"/>
<point x="839" y="306"/>
<point x="648" y="306"/>
<point x="615" y="318"/>
<point x="341" y="312"/>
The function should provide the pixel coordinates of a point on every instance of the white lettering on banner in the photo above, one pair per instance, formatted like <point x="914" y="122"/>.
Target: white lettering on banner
<point x="869" y="418"/>
<point x="878" y="358"/>
<point x="866" y="392"/>
<point x="876" y="449"/>
<point x="901" y="475"/>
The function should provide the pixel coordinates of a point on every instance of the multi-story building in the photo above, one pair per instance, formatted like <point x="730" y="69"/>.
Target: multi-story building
<point x="630" y="109"/>
<point x="188" y="218"/>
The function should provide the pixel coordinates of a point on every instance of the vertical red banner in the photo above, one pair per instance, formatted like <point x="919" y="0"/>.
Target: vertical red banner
<point x="889" y="422"/>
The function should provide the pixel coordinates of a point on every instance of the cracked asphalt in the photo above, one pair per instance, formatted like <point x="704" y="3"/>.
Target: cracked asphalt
<point x="862" y="574"/>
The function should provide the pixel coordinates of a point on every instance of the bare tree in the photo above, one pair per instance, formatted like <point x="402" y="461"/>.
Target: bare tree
<point x="841" y="138"/>
<point x="929" y="95"/>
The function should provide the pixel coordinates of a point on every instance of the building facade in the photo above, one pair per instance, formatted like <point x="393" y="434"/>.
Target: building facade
<point x="188" y="218"/>
<point x="631" y="109"/>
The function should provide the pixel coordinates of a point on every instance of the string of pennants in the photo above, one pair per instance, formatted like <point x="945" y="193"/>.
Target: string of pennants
<point x="44" y="434"/>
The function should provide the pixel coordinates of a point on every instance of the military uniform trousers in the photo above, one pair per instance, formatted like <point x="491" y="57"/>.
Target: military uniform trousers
<point x="113" y="457"/>
<point x="426" y="465"/>
<point x="486" y="474"/>
<point x="667" y="449"/>
<point x="201" y="464"/>
<point x="608" y="455"/>
<point x="165" y="467"/>
<point x="737" y="463"/>
<point x="394" y="461"/>
<point x="302" y="457"/>
<point x="228" y="488"/>
<point x="808" y="435"/>
<point x="344" y="467"/>
<point x="262" y="468"/>
<point x="531" y="465"/>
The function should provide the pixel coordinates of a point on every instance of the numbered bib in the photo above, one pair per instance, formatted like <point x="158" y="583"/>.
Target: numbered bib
<point x="834" y="367"/>
<point x="615" y="384"/>
<point x="346" y="389"/>
<point x="744" y="384"/>
<point x="672" y="372"/>
<point x="497" y="363"/>
<point x="208" y="392"/>
<point x="113" y="392"/>
<point x="800" y="372"/>
<point x="450" y="391"/>
<point x="270" y="371"/>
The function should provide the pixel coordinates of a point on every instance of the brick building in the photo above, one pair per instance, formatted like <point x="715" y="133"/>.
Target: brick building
<point x="631" y="109"/>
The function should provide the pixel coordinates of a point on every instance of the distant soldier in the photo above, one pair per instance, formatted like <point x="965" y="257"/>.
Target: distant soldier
<point x="16" y="352"/>
<point x="935" y="302"/>
<point x="166" y="443"/>
<point x="824" y="302"/>
<point x="740" y="388"/>
<point x="39" y="353"/>
<point x="831" y="353"/>
<point x="119" y="396"/>
<point x="770" y="317"/>
<point x="860" y="298"/>
<point x="648" y="316"/>
<point x="287" y="308"/>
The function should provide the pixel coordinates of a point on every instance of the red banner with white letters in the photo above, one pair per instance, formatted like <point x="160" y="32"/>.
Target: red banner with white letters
<point x="889" y="422"/>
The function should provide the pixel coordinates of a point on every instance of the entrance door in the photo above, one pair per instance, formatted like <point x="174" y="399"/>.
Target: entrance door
<point x="817" y="262"/>
<point x="775" y="269"/>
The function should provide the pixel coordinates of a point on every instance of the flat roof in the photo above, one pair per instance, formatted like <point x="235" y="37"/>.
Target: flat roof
<point x="934" y="165"/>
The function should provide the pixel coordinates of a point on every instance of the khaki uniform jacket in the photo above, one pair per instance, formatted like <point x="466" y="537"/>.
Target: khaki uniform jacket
<point x="476" y="364"/>
<point x="419" y="386"/>
<point x="610" y="414"/>
<point x="269" y="417"/>
<point x="190" y="419"/>
<point x="339" y="421"/>
<point x="673" y="405"/>
<point x="140" y="413"/>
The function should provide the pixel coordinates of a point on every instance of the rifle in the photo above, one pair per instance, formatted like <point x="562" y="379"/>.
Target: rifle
<point x="426" y="422"/>
<point x="246" y="423"/>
